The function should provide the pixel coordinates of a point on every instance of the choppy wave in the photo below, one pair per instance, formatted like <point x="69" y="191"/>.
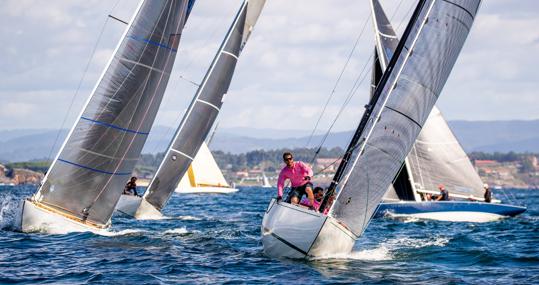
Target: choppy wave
<point x="217" y="240"/>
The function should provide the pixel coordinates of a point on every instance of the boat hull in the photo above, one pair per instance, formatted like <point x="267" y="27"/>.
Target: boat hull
<point x="290" y="231"/>
<point x="128" y="205"/>
<point x="451" y="211"/>
<point x="205" y="190"/>
<point x="40" y="219"/>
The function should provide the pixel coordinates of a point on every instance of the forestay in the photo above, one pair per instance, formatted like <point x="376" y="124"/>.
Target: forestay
<point x="88" y="175"/>
<point x="204" y="108"/>
<point x="406" y="95"/>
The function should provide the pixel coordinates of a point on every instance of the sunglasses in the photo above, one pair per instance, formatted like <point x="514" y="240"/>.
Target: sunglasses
<point x="288" y="158"/>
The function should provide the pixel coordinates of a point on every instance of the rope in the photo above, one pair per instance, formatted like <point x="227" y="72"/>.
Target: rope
<point x="94" y="49"/>
<point x="338" y="80"/>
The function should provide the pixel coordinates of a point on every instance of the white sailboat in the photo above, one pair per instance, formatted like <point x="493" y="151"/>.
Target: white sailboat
<point x="391" y="123"/>
<point x="204" y="176"/>
<point x="436" y="158"/>
<point x="199" y="117"/>
<point x="86" y="178"/>
<point x="265" y="181"/>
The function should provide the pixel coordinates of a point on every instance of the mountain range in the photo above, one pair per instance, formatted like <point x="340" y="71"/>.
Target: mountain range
<point x="486" y="136"/>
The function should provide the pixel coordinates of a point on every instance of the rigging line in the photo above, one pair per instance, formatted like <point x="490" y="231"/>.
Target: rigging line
<point x="188" y="64"/>
<point x="338" y="80"/>
<point x="86" y="68"/>
<point x="359" y="81"/>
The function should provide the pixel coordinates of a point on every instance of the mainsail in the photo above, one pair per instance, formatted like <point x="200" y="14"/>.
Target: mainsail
<point x="436" y="157"/>
<point x="87" y="177"/>
<point x="400" y="106"/>
<point x="203" y="171"/>
<point x="204" y="108"/>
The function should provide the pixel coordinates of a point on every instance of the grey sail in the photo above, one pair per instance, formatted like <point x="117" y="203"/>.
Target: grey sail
<point x="404" y="98"/>
<point x="204" y="108"/>
<point x="88" y="175"/>
<point x="436" y="157"/>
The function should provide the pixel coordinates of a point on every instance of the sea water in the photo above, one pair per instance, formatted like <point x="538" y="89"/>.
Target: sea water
<point x="216" y="239"/>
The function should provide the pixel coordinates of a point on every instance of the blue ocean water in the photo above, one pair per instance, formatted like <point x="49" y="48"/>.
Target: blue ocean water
<point x="216" y="239"/>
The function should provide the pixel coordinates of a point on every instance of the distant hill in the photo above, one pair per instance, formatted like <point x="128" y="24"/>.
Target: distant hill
<point x="487" y="136"/>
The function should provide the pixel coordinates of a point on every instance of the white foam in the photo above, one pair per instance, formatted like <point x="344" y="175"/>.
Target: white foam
<point x="177" y="231"/>
<point x="120" y="233"/>
<point x="376" y="254"/>
<point x="10" y="212"/>
<point x="416" y="242"/>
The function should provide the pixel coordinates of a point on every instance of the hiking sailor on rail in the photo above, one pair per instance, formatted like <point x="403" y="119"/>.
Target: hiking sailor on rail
<point x="299" y="175"/>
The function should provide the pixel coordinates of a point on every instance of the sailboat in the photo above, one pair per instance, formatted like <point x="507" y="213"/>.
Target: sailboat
<point x="198" y="119"/>
<point x="403" y="99"/>
<point x="204" y="175"/>
<point x="265" y="181"/>
<point x="86" y="178"/>
<point x="436" y="158"/>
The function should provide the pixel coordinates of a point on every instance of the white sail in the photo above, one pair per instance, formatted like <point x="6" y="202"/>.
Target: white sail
<point x="204" y="175"/>
<point x="86" y="179"/>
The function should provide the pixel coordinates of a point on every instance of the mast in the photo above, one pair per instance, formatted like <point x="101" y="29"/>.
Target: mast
<point x="203" y="110"/>
<point x="87" y="176"/>
<point x="409" y="89"/>
<point x="356" y="139"/>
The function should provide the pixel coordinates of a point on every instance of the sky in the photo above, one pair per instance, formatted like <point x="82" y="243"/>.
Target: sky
<point x="53" y="52"/>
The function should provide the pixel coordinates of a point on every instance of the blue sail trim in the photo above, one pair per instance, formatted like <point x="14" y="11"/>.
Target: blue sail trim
<point x="94" y="169"/>
<point x="114" y="126"/>
<point x="152" y="43"/>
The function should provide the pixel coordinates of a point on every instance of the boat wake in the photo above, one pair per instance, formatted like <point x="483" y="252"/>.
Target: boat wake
<point x="126" y="232"/>
<point x="376" y="254"/>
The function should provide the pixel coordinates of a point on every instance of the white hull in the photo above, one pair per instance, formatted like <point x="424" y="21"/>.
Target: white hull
<point x="147" y="211"/>
<point x="38" y="219"/>
<point x="294" y="232"/>
<point x="452" y="216"/>
<point x="128" y="204"/>
<point x="205" y="190"/>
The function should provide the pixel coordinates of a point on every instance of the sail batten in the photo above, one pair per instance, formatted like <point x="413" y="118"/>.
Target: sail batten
<point x="409" y="89"/>
<point x="87" y="176"/>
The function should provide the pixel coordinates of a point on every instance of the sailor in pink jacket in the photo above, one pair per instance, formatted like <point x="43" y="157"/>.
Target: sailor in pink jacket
<point x="299" y="175"/>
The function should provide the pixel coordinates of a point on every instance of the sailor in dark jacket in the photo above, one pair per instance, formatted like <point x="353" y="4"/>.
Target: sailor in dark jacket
<point x="488" y="193"/>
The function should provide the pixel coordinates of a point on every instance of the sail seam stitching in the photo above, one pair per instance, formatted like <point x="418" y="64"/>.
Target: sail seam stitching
<point x="152" y="43"/>
<point x="94" y="169"/>
<point x="144" y="65"/>
<point x="114" y="126"/>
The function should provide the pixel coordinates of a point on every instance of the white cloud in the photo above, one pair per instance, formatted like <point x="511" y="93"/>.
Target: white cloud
<point x="285" y="73"/>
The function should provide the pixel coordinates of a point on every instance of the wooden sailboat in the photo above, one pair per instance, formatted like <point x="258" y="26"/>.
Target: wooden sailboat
<point x="391" y="123"/>
<point x="86" y="178"/>
<point x="204" y="176"/>
<point x="436" y="158"/>
<point x="199" y="117"/>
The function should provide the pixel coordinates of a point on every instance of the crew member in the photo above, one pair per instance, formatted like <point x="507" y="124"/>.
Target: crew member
<point x="131" y="187"/>
<point x="444" y="194"/>
<point x="299" y="175"/>
<point x="488" y="193"/>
